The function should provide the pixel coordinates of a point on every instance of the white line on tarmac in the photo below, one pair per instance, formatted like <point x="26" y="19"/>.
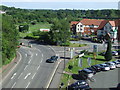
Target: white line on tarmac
<point x="13" y="85"/>
<point x="26" y="55"/>
<point x="29" y="61"/>
<point x="28" y="85"/>
<point x="25" y="67"/>
<point x="12" y="68"/>
<point x="13" y="75"/>
<point x="33" y="75"/>
<point x="36" y="54"/>
<point x="20" y="75"/>
<point x="38" y="67"/>
<point x="27" y="75"/>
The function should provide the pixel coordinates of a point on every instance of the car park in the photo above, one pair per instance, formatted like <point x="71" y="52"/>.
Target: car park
<point x="104" y="67"/>
<point x="52" y="59"/>
<point x="86" y="72"/>
<point x="96" y="67"/>
<point x="111" y="65"/>
<point x="79" y="85"/>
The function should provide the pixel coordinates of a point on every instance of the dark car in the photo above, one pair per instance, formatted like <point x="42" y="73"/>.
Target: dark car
<point x="92" y="69"/>
<point x="86" y="72"/>
<point x="96" y="67"/>
<point x="79" y="85"/>
<point x="52" y="59"/>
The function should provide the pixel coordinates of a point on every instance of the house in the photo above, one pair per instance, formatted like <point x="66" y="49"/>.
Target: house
<point x="73" y="26"/>
<point x="2" y="12"/>
<point x="110" y="27"/>
<point x="88" y="26"/>
<point x="44" y="30"/>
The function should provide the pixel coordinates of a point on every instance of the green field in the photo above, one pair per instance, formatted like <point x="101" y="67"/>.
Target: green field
<point x="36" y="27"/>
<point x="74" y="62"/>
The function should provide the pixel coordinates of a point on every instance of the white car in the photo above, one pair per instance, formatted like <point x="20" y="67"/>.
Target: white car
<point x="117" y="63"/>
<point x="111" y="65"/>
<point x="114" y="53"/>
<point x="105" y="67"/>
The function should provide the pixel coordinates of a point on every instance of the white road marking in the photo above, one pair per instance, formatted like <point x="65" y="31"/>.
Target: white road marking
<point x="26" y="55"/>
<point x="20" y="75"/>
<point x="25" y="67"/>
<point x="36" y="54"/>
<point x="42" y="55"/>
<point x="12" y="68"/>
<point x="29" y="61"/>
<point x="28" y="85"/>
<point x="38" y="67"/>
<point x="33" y="75"/>
<point x="13" y="85"/>
<point x="27" y="75"/>
<point x="13" y="75"/>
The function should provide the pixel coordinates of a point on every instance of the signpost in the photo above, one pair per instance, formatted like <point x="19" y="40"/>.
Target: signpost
<point x="80" y="62"/>
<point x="89" y="61"/>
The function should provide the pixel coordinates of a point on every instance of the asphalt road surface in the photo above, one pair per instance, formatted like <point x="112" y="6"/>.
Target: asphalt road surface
<point x="106" y="79"/>
<point x="32" y="70"/>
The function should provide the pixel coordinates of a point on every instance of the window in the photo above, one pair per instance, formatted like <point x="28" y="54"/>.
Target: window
<point x="81" y="25"/>
<point x="78" y="25"/>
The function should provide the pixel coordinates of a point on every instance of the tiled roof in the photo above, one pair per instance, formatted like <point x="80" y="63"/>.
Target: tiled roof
<point x="102" y="24"/>
<point x="115" y="23"/>
<point x="91" y="22"/>
<point x="74" y="22"/>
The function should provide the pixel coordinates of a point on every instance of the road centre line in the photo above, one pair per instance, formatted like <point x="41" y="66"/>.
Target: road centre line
<point x="25" y="67"/>
<point x="13" y="75"/>
<point x="20" y="75"/>
<point x="33" y="75"/>
<point x="27" y="75"/>
<point x="13" y="85"/>
<point x="28" y="85"/>
<point x="36" y="54"/>
<point x="29" y="61"/>
<point x="38" y="67"/>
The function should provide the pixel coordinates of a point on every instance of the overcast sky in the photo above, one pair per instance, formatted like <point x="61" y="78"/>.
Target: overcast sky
<point x="62" y="4"/>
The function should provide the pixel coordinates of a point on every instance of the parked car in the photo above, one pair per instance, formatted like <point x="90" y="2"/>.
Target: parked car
<point x="114" y="53"/>
<point x="92" y="69"/>
<point x="52" y="59"/>
<point x="116" y="63"/>
<point x="96" y="67"/>
<point x="79" y="85"/>
<point x="104" y="67"/>
<point x="111" y="65"/>
<point x="86" y="72"/>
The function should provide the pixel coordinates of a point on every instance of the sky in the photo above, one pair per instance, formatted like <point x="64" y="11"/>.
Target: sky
<point x="62" y="4"/>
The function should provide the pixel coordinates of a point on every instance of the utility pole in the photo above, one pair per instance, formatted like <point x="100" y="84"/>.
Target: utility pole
<point x="64" y="56"/>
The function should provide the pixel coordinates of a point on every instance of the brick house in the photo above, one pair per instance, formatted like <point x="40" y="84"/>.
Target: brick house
<point x="73" y="26"/>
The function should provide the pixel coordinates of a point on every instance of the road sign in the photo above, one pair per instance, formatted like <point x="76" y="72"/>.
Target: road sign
<point x="89" y="61"/>
<point x="80" y="62"/>
<point x="95" y="48"/>
<point x="71" y="54"/>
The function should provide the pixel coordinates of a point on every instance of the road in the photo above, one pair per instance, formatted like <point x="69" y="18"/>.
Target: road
<point x="32" y="70"/>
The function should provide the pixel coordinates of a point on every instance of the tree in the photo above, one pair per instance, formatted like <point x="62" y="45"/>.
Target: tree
<point x="108" y="54"/>
<point x="9" y="39"/>
<point x="60" y="32"/>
